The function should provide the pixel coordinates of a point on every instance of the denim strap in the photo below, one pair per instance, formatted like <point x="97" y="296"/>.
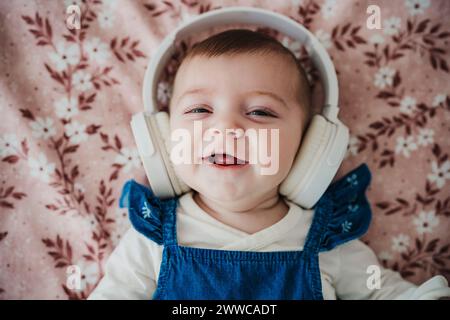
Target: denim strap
<point x="318" y="226"/>
<point x="169" y="221"/>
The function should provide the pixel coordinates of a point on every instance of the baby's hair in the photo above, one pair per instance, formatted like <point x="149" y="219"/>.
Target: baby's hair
<point x="244" y="41"/>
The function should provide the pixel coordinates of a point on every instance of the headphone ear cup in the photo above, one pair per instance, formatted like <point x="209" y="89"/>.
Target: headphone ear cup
<point x="312" y="172"/>
<point x="163" y="130"/>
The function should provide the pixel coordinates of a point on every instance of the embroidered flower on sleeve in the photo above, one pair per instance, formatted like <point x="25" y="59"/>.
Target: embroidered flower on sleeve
<point x="352" y="180"/>
<point x="353" y="207"/>
<point x="346" y="226"/>
<point x="145" y="210"/>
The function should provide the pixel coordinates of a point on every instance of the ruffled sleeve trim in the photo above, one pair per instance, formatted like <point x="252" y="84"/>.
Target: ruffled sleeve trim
<point x="144" y="210"/>
<point x="349" y="212"/>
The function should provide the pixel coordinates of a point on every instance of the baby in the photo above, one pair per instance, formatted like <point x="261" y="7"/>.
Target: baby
<point x="234" y="236"/>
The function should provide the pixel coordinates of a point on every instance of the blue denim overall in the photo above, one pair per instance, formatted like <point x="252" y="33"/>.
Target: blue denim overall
<point x="342" y="214"/>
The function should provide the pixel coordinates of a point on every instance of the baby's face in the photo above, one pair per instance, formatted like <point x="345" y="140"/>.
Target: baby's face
<point x="228" y="98"/>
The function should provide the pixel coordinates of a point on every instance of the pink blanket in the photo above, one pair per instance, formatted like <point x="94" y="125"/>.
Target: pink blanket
<point x="66" y="148"/>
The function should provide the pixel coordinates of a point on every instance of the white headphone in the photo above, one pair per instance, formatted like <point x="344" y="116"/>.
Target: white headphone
<point x="324" y="143"/>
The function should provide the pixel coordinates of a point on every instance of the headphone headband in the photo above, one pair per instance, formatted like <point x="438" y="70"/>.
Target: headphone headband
<point x="245" y="15"/>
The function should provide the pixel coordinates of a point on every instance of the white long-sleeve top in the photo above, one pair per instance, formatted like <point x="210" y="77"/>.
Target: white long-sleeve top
<point x="132" y="269"/>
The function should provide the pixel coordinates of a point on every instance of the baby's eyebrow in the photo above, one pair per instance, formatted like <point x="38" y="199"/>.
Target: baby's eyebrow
<point x="253" y="92"/>
<point x="270" y="94"/>
<point x="194" y="91"/>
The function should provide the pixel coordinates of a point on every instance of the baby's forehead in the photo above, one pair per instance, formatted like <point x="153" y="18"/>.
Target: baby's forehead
<point x="243" y="68"/>
<point x="260" y="58"/>
<point x="243" y="78"/>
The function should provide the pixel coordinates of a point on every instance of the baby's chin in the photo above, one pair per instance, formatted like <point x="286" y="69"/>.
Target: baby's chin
<point x="223" y="185"/>
<point x="224" y="193"/>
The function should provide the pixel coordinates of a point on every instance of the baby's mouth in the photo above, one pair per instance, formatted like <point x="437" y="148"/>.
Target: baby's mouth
<point x="224" y="160"/>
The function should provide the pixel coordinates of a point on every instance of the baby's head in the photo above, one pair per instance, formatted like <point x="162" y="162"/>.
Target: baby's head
<point x="240" y="79"/>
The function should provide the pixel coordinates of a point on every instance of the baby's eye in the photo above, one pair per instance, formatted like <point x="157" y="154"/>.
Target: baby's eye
<point x="262" y="113"/>
<point x="197" y="110"/>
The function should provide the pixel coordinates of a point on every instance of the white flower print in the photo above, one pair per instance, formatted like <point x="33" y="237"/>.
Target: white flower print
<point x="439" y="174"/>
<point x="109" y="3"/>
<point x="376" y="39"/>
<point x="92" y="221"/>
<point x="65" y="55"/>
<point x="13" y="86"/>
<point x="79" y="187"/>
<point x="400" y="243"/>
<point x="40" y="167"/>
<point x="324" y="38"/>
<point x="129" y="157"/>
<point x="384" y="77"/>
<point x="8" y="145"/>
<point x="438" y="99"/>
<point x="353" y="145"/>
<point x="426" y="221"/>
<point x="106" y="18"/>
<point x="425" y="137"/>
<point x="391" y="26"/>
<point x="66" y="108"/>
<point x="90" y="273"/>
<point x="97" y="50"/>
<point x="405" y="145"/>
<point x="408" y="105"/>
<point x="164" y="92"/>
<point x="416" y="6"/>
<point x="73" y="2"/>
<point x="328" y="8"/>
<point x="294" y="46"/>
<point x="76" y="132"/>
<point x="43" y="128"/>
<point x="82" y="81"/>
<point x="296" y="3"/>
<point x="385" y="256"/>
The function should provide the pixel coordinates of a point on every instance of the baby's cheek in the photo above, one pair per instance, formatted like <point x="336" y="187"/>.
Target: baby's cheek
<point x="289" y="145"/>
<point x="186" y="172"/>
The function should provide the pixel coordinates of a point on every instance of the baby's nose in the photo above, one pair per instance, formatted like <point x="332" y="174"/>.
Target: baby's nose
<point x="236" y="133"/>
<point x="230" y="132"/>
